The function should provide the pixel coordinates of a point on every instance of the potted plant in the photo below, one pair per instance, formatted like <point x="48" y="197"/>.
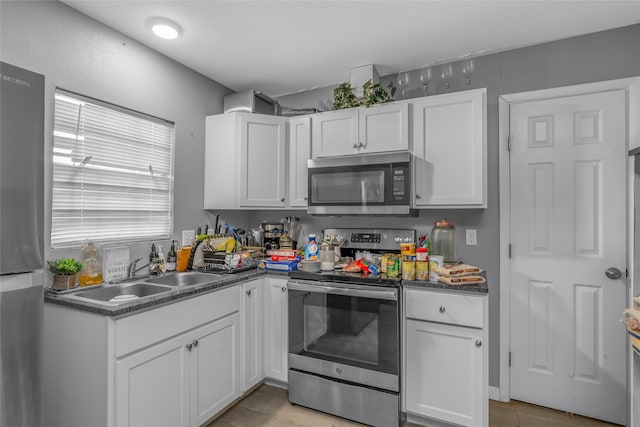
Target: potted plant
<point x="64" y="272"/>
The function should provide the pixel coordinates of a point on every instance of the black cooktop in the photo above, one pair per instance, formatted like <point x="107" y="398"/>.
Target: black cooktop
<point x="342" y="277"/>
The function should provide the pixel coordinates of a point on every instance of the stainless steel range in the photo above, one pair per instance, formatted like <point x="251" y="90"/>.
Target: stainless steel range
<point x="344" y="336"/>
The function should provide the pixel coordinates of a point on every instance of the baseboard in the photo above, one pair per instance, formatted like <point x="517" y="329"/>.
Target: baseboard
<point x="494" y="394"/>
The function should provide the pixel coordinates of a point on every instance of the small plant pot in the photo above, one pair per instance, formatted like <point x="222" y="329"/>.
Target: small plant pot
<point x="63" y="282"/>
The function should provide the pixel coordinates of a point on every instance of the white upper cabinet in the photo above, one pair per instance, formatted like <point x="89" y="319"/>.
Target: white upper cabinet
<point x="375" y="129"/>
<point x="299" y="153"/>
<point x="245" y="161"/>
<point x="450" y="148"/>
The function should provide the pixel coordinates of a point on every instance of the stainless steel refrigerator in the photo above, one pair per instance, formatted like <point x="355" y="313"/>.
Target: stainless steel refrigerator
<point x="21" y="245"/>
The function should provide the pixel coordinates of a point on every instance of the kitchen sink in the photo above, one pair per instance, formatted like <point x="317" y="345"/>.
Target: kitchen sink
<point x="119" y="294"/>
<point x="189" y="278"/>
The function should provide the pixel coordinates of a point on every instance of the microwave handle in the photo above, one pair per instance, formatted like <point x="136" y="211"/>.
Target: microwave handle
<point x="322" y="288"/>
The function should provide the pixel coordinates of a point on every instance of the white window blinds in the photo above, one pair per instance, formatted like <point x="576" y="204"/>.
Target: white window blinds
<point x="112" y="174"/>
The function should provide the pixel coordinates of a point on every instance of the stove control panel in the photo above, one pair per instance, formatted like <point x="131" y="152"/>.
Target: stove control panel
<point x="369" y="238"/>
<point x="365" y="238"/>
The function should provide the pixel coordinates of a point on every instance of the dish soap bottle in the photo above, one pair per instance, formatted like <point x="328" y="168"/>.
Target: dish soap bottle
<point x="312" y="250"/>
<point x="172" y="257"/>
<point x="91" y="274"/>
<point x="162" y="261"/>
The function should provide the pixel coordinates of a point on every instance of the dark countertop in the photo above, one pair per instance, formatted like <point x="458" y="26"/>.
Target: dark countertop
<point x="225" y="280"/>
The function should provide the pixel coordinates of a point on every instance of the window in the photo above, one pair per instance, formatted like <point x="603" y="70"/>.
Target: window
<point x="112" y="173"/>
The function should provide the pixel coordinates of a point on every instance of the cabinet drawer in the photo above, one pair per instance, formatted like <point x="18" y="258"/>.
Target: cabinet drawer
<point x="144" y="329"/>
<point x="444" y="308"/>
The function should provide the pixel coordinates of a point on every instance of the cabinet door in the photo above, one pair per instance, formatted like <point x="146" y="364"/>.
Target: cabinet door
<point x="252" y="337"/>
<point x="299" y="153"/>
<point x="262" y="161"/>
<point x="276" y="329"/>
<point x="450" y="144"/>
<point x="444" y="372"/>
<point x="335" y="133"/>
<point x="152" y="386"/>
<point x="384" y="128"/>
<point x="215" y="372"/>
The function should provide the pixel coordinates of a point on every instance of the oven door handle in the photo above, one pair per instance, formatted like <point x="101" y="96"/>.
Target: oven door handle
<point x="389" y="295"/>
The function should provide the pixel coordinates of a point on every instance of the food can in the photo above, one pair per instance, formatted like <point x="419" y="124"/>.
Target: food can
<point x="422" y="254"/>
<point x="393" y="267"/>
<point x="422" y="270"/>
<point x="435" y="262"/>
<point x="407" y="249"/>
<point x="408" y="270"/>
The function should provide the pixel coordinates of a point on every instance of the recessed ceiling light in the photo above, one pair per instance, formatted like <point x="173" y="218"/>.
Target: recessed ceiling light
<point x="165" y="28"/>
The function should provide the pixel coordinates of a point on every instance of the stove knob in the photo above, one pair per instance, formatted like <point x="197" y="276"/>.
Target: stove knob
<point x="398" y="239"/>
<point x="407" y="239"/>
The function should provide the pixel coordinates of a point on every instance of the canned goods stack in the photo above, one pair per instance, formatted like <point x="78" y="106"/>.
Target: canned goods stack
<point x="408" y="254"/>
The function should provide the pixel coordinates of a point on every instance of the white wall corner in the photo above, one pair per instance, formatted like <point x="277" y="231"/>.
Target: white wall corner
<point x="360" y="75"/>
<point x="494" y="394"/>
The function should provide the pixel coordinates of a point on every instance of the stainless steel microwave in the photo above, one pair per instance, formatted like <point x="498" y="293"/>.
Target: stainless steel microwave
<point x="377" y="184"/>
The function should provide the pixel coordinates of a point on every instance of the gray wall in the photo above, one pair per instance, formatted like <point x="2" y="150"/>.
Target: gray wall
<point x="77" y="53"/>
<point x="594" y="57"/>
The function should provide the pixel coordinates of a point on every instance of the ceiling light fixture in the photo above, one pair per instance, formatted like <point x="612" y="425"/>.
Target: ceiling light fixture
<point x="165" y="28"/>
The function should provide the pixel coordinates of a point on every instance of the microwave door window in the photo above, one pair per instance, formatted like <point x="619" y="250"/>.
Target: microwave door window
<point x="360" y="188"/>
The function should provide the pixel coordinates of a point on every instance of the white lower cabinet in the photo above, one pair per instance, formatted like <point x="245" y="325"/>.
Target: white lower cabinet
<point x="175" y="365"/>
<point x="252" y="335"/>
<point x="276" y="328"/>
<point x="446" y="358"/>
<point x="182" y="381"/>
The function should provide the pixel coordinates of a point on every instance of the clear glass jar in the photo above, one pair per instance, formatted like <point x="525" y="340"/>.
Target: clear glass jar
<point x="443" y="240"/>
<point x="327" y="257"/>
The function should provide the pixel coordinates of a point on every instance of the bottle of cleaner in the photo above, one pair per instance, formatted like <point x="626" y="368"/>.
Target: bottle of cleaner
<point x="311" y="251"/>
<point x="91" y="274"/>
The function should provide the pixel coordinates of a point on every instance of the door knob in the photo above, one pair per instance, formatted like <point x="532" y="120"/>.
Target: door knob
<point x="249" y="292"/>
<point x="189" y="346"/>
<point x="417" y="196"/>
<point x="613" y="273"/>
<point x="442" y="309"/>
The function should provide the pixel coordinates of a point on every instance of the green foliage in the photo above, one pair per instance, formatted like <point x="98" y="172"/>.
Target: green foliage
<point x="343" y="96"/>
<point x="65" y="266"/>
<point x="373" y="94"/>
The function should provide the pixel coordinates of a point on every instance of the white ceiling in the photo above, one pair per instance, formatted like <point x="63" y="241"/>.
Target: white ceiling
<point x="281" y="47"/>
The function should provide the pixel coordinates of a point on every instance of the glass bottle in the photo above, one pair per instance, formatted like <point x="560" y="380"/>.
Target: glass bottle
<point x="91" y="274"/>
<point x="327" y="257"/>
<point x="162" y="261"/>
<point x="443" y="240"/>
<point x="172" y="257"/>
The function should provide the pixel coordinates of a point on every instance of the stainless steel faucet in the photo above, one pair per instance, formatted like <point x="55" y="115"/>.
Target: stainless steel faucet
<point x="132" y="270"/>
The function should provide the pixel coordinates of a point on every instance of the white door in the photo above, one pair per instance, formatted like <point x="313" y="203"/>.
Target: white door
<point x="299" y="153"/>
<point x="335" y="133"/>
<point x="384" y="128"/>
<point x="215" y="373"/>
<point x="568" y="204"/>
<point x="276" y="328"/>
<point x="262" y="160"/>
<point x="439" y="354"/>
<point x="252" y="351"/>
<point x="152" y="386"/>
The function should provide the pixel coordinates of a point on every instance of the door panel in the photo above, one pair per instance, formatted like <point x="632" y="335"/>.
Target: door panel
<point x="568" y="225"/>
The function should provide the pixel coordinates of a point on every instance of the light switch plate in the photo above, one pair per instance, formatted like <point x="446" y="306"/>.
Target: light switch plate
<point x="472" y="237"/>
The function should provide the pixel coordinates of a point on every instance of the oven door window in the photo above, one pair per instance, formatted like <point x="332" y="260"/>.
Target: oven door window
<point x="355" y="186"/>
<point x="350" y="330"/>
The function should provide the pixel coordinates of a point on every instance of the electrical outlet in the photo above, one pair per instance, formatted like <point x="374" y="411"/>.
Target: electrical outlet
<point x="472" y="237"/>
<point x="187" y="237"/>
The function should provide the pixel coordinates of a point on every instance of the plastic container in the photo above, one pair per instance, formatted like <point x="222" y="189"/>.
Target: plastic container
<point x="312" y="250"/>
<point x="443" y="240"/>
<point x="91" y="274"/>
<point x="422" y="254"/>
<point x="183" y="258"/>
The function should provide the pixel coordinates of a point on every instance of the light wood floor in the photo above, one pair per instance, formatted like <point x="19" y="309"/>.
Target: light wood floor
<point x="269" y="406"/>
